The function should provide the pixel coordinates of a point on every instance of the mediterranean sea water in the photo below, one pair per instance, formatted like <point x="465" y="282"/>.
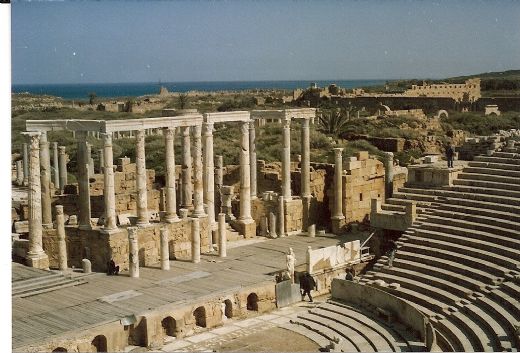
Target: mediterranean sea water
<point x="107" y="90"/>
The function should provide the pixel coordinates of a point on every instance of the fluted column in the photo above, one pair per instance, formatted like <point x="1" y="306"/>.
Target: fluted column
<point x="25" y="165"/>
<point x="195" y="240"/>
<point x="101" y="154"/>
<point x="36" y="257"/>
<point x="389" y="174"/>
<point x="165" y="249"/>
<point x="109" y="194"/>
<point x="338" y="184"/>
<point x="286" y="159"/>
<point x="90" y="160"/>
<point x="245" y="175"/>
<point x="219" y="181"/>
<point x="83" y="182"/>
<point x="171" y="197"/>
<point x="19" y="172"/>
<point x="222" y="232"/>
<point x="63" y="167"/>
<point x="133" y="252"/>
<point x="306" y="160"/>
<point x="209" y="173"/>
<point x="45" y="178"/>
<point x="55" y="165"/>
<point x="252" y="158"/>
<point x="62" y="243"/>
<point x="142" y="194"/>
<point x="198" y="190"/>
<point x="187" y="187"/>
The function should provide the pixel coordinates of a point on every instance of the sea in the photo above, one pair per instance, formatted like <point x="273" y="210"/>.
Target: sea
<point x="108" y="90"/>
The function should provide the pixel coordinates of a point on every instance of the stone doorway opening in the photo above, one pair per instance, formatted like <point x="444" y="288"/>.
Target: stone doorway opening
<point x="59" y="349"/>
<point x="200" y="316"/>
<point x="252" y="302"/>
<point x="99" y="344"/>
<point x="168" y="326"/>
<point x="228" y="311"/>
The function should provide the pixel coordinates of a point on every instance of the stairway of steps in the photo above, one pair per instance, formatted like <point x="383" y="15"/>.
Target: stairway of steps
<point x="359" y="329"/>
<point x="232" y="234"/>
<point x="46" y="282"/>
<point x="459" y="263"/>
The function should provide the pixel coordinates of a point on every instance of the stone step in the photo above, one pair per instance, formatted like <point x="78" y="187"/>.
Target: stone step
<point x="480" y="197"/>
<point x="399" y="340"/>
<point x="458" y="338"/>
<point x="506" y="155"/>
<point x="453" y="265"/>
<point x="47" y="288"/>
<point x="511" y="288"/>
<point x="415" y="197"/>
<point x="430" y="280"/>
<point x="343" y="324"/>
<point x="509" y="302"/>
<point x="461" y="257"/>
<point x="404" y="202"/>
<point x="500" y="166"/>
<point x="489" y="177"/>
<point x="495" y="222"/>
<point x="439" y="237"/>
<point x="51" y="276"/>
<point x="444" y="344"/>
<point x="489" y="170"/>
<point x="496" y="159"/>
<point x="486" y="184"/>
<point x="473" y="205"/>
<point x="463" y="281"/>
<point x="478" y="337"/>
<point x="506" y="192"/>
<point x="332" y="329"/>
<point x="496" y="333"/>
<point x="507" y="320"/>
<point x="470" y="237"/>
<point x="302" y="330"/>
<point x="438" y="299"/>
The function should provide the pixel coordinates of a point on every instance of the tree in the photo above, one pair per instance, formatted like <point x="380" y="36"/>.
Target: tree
<point x="332" y="121"/>
<point x="183" y="100"/>
<point x="91" y="97"/>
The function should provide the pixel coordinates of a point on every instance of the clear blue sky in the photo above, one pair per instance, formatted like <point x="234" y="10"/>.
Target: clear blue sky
<point x="142" y="41"/>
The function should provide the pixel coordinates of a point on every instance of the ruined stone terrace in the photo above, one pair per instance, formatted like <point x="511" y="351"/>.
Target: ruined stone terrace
<point x="66" y="316"/>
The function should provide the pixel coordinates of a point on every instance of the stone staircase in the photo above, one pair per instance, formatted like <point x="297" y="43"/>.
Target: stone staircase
<point x="459" y="263"/>
<point x="358" y="329"/>
<point x="46" y="281"/>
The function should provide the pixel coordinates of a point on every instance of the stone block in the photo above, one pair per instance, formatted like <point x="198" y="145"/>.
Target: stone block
<point x="362" y="155"/>
<point x="21" y="227"/>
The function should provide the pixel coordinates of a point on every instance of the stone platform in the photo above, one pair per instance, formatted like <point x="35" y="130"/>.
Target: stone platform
<point x="66" y="312"/>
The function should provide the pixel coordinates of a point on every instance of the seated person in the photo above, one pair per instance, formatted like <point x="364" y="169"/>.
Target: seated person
<point x="351" y="274"/>
<point x="112" y="268"/>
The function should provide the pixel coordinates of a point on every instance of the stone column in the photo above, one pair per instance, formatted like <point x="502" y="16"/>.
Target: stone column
<point x="45" y="178"/>
<point x="252" y="158"/>
<point x="55" y="165"/>
<point x="101" y="159"/>
<point x="142" y="196"/>
<point x="337" y="216"/>
<point x="165" y="250"/>
<point x="227" y="196"/>
<point x="219" y="181"/>
<point x="245" y="175"/>
<point x="83" y="182"/>
<point x="195" y="240"/>
<point x="171" y="197"/>
<point x="286" y="159"/>
<point x="62" y="244"/>
<point x="222" y="236"/>
<point x="306" y="160"/>
<point x="209" y="175"/>
<point x="133" y="252"/>
<point x="36" y="257"/>
<point x="187" y="187"/>
<point x="109" y="194"/>
<point x="90" y="160"/>
<point x="25" y="165"/>
<point x="389" y="174"/>
<point x="19" y="172"/>
<point x="198" y="190"/>
<point x="281" y="217"/>
<point x="63" y="168"/>
<point x="272" y="225"/>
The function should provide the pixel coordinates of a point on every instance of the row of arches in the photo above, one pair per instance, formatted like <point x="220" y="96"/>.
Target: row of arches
<point x="169" y="325"/>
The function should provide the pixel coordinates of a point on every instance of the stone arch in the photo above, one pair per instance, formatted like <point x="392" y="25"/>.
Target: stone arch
<point x="252" y="302"/>
<point x="200" y="316"/>
<point x="59" y="349"/>
<point x="137" y="335"/>
<point x="229" y="308"/>
<point x="385" y="107"/>
<point x="168" y="324"/>
<point x="99" y="344"/>
<point x="441" y="113"/>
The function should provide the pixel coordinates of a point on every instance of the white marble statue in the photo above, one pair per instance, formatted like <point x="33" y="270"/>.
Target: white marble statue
<point x="290" y="261"/>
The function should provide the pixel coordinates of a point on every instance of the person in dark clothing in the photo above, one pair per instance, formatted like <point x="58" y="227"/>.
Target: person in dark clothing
<point x="307" y="284"/>
<point x="112" y="268"/>
<point x="391" y="252"/>
<point x="449" y="155"/>
<point x="350" y="274"/>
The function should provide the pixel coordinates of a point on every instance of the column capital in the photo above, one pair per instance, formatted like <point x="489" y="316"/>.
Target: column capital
<point x="286" y="122"/>
<point x="208" y="128"/>
<point x="305" y="123"/>
<point x="32" y="138"/>
<point x="139" y="134"/>
<point x="196" y="130"/>
<point x="169" y="132"/>
<point x="61" y="149"/>
<point x="338" y="150"/>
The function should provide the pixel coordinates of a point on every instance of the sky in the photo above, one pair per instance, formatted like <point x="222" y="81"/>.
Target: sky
<point x="148" y="41"/>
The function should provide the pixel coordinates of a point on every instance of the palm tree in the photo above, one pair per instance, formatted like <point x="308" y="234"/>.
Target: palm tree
<point x="91" y="97"/>
<point x="332" y="121"/>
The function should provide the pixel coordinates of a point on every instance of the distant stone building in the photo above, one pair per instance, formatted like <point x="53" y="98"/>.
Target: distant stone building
<point x="468" y="91"/>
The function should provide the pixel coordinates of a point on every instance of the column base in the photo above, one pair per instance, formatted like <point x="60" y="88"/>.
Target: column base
<point x="171" y="219"/>
<point x="199" y="214"/>
<point x="142" y="224"/>
<point x="109" y="231"/>
<point x="338" y="224"/>
<point x="246" y="227"/>
<point x="37" y="260"/>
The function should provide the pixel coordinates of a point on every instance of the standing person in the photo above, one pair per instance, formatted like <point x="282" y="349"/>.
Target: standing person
<point x="307" y="284"/>
<point x="449" y="155"/>
<point x="391" y="253"/>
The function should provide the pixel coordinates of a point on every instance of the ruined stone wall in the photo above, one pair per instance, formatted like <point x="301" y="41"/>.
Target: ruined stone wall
<point x="400" y="178"/>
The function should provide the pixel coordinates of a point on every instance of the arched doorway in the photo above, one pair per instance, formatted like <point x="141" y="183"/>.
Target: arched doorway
<point x="252" y="302"/>
<point x="99" y="344"/>
<point x="59" y="349"/>
<point x="229" y="309"/>
<point x="200" y="316"/>
<point x="168" y="324"/>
